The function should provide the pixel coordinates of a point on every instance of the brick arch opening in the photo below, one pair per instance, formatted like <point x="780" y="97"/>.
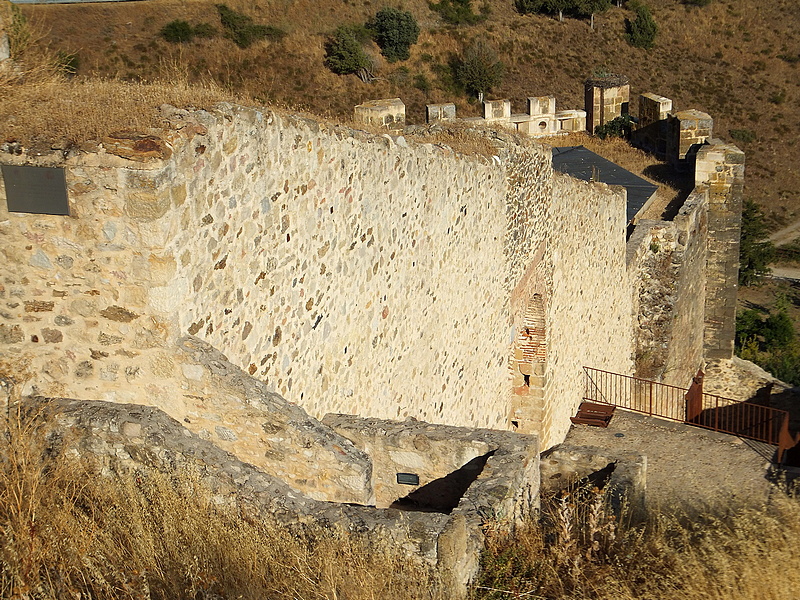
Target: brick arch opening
<point x="529" y="358"/>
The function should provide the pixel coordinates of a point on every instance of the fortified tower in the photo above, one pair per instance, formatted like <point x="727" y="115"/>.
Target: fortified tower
<point x="606" y="98"/>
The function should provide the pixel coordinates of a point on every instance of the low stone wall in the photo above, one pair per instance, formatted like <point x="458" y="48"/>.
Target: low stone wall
<point x="504" y="465"/>
<point x="566" y="465"/>
<point x="125" y="437"/>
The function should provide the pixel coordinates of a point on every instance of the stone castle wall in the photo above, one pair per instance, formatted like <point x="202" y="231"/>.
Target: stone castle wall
<point x="351" y="273"/>
<point x="589" y="309"/>
<point x="666" y="262"/>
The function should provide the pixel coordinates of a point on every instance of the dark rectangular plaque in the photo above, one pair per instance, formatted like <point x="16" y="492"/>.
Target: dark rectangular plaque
<point x="38" y="190"/>
<point x="408" y="479"/>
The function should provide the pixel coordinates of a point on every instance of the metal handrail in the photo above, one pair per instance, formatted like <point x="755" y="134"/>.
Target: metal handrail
<point x="716" y="413"/>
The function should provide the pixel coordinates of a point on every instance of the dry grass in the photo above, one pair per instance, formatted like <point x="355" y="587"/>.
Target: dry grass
<point x="67" y="533"/>
<point x="746" y="554"/>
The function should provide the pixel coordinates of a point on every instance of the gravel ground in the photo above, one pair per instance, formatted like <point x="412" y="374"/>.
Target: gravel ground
<point x="688" y="468"/>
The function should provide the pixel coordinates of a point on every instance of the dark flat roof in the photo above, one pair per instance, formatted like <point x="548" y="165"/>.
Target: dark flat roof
<point x="581" y="163"/>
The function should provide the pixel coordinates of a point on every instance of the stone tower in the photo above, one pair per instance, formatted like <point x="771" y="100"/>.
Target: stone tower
<point x="606" y="98"/>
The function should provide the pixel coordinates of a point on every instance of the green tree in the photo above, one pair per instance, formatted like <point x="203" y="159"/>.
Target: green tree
<point x="344" y="51"/>
<point x="479" y="70"/>
<point x="394" y="31"/>
<point x="641" y="32"/>
<point x="559" y="6"/>
<point x="755" y="251"/>
<point x="589" y="8"/>
<point x="778" y="330"/>
<point x="527" y="7"/>
<point x="618" y="127"/>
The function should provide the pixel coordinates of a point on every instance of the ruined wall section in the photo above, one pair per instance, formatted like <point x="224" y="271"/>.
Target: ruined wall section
<point x="589" y="308"/>
<point x="721" y="167"/>
<point x="352" y="273"/>
<point x="666" y="263"/>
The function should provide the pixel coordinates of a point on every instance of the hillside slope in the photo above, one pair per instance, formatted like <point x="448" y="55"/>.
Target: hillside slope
<point x="736" y="59"/>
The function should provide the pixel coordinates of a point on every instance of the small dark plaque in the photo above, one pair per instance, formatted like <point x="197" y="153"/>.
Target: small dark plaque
<point x="408" y="479"/>
<point x="37" y="190"/>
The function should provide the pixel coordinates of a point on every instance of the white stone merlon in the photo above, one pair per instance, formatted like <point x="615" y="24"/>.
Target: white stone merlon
<point x="390" y="113"/>
<point x="440" y="112"/>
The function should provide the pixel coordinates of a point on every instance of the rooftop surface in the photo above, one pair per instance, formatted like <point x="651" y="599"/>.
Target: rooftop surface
<point x="688" y="468"/>
<point x="582" y="163"/>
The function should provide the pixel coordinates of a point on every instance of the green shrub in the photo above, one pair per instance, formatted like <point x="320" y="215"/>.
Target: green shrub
<point x="457" y="12"/>
<point x="618" y="127"/>
<point x="68" y="62"/>
<point x="205" y="30"/>
<point x="422" y="84"/>
<point x="344" y="51"/>
<point x="177" y="32"/>
<point x="241" y="29"/>
<point x="641" y="32"/>
<point x="697" y="2"/>
<point x="743" y="135"/>
<point x="394" y="31"/>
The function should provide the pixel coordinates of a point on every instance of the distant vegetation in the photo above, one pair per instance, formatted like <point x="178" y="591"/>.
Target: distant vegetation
<point x="479" y="70"/>
<point x="179" y="31"/>
<point x="756" y="252"/>
<point x="459" y="12"/>
<point x="344" y="51"/>
<point x="394" y="31"/>
<point x="242" y="30"/>
<point x="641" y="32"/>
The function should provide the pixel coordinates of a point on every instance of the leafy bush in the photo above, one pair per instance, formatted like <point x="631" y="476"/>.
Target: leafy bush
<point x="241" y="29"/>
<point x="177" y="32"/>
<point x="205" y="30"/>
<point x="619" y="127"/>
<point x="344" y="51"/>
<point x="641" y="32"/>
<point x="743" y="135"/>
<point x="181" y="32"/>
<point x="422" y="84"/>
<point x="480" y="70"/>
<point x="457" y="12"/>
<point x="755" y="251"/>
<point x="394" y="31"/>
<point x="697" y="2"/>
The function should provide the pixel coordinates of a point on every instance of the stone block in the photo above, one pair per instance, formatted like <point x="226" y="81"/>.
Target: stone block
<point x="389" y="113"/>
<point x="497" y="110"/>
<point x="541" y="105"/>
<point x="440" y="112"/>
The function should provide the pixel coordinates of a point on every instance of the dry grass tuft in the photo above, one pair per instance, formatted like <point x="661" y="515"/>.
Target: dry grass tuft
<point x="580" y="552"/>
<point x="66" y="532"/>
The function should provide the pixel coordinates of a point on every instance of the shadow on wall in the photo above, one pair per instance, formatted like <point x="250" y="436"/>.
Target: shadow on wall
<point x="443" y="495"/>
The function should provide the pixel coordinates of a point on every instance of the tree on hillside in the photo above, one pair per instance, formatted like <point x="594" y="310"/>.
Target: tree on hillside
<point x="590" y="7"/>
<point x="641" y="32"/>
<point x="755" y="251"/>
<point x="479" y="70"/>
<point x="394" y="31"/>
<point x="559" y="6"/>
<point x="529" y="7"/>
<point x="344" y="51"/>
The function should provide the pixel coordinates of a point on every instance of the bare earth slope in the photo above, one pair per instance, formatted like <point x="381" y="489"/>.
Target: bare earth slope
<point x="736" y="59"/>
